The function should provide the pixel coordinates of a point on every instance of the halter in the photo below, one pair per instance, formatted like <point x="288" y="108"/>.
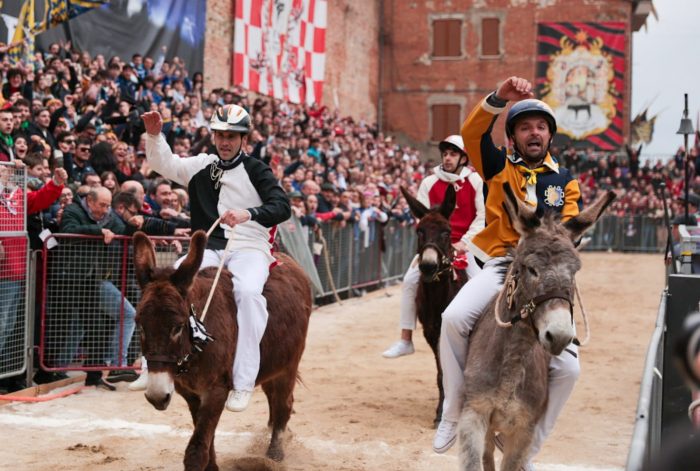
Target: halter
<point x="198" y="339"/>
<point x="528" y="309"/>
<point x="444" y="261"/>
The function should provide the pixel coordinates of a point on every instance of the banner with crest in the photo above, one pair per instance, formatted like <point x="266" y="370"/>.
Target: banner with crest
<point x="581" y="74"/>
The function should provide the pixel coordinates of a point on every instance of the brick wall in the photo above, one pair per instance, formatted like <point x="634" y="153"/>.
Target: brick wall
<point x="410" y="79"/>
<point x="352" y="57"/>
<point x="218" y="44"/>
<point x="413" y="79"/>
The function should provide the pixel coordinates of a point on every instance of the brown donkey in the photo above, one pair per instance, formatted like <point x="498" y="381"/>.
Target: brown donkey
<point x="438" y="285"/>
<point x="505" y="387"/>
<point x="204" y="378"/>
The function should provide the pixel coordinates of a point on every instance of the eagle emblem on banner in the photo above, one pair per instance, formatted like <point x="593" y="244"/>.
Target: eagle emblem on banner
<point x="580" y="86"/>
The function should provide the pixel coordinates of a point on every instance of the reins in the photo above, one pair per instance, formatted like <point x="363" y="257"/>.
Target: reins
<point x="218" y="270"/>
<point x="444" y="260"/>
<point x="526" y="311"/>
<point x="198" y="332"/>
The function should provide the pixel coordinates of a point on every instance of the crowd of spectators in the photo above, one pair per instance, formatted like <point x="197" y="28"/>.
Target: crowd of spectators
<point x="636" y="183"/>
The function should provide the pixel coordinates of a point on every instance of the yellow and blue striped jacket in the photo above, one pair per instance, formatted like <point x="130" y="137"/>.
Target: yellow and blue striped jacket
<point x="549" y="187"/>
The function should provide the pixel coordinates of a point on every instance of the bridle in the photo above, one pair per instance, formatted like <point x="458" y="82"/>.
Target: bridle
<point x="528" y="309"/>
<point x="444" y="260"/>
<point x="197" y="343"/>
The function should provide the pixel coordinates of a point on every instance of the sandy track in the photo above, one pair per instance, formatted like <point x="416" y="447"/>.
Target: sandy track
<point x="356" y="410"/>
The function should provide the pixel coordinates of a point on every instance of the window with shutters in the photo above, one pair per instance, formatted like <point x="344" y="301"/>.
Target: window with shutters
<point x="446" y="120"/>
<point x="490" y="37"/>
<point x="447" y="37"/>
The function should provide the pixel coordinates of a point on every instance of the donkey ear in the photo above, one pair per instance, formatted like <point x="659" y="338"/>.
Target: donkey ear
<point x="184" y="275"/>
<point x="448" y="204"/>
<point x="523" y="217"/>
<point x="418" y="209"/>
<point x="144" y="259"/>
<point x="580" y="224"/>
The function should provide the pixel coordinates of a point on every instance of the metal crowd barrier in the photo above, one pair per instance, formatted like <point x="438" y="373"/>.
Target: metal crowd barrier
<point x="354" y="259"/>
<point x="628" y="234"/>
<point x="646" y="437"/>
<point x="85" y="317"/>
<point x="89" y="298"/>
<point x="14" y="266"/>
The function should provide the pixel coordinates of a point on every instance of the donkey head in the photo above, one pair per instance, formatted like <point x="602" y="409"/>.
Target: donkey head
<point x="544" y="265"/>
<point x="434" y="245"/>
<point x="163" y="314"/>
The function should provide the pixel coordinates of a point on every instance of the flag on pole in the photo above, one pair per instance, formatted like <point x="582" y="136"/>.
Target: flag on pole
<point x="280" y="48"/>
<point x="32" y="22"/>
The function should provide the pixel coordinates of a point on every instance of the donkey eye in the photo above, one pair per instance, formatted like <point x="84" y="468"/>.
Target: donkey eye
<point x="177" y="330"/>
<point x="532" y="271"/>
<point x="445" y="235"/>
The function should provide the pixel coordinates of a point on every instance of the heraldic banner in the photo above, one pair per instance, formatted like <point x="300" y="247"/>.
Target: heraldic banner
<point x="581" y="75"/>
<point x="280" y="48"/>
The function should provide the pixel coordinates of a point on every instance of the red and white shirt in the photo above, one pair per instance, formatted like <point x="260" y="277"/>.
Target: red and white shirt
<point x="469" y="215"/>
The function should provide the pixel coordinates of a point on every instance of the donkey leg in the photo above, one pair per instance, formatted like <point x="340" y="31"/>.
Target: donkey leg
<point x="489" y="447"/>
<point x="206" y="412"/>
<point x="472" y="440"/>
<point x="280" y="398"/>
<point x="515" y="448"/>
<point x="433" y="337"/>
<point x="441" y="394"/>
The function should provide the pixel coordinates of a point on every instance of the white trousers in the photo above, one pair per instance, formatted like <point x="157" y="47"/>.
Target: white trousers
<point x="250" y="269"/>
<point x="409" y="289"/>
<point x="459" y="319"/>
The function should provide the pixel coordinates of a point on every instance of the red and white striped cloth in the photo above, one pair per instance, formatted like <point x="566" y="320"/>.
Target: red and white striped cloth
<point x="280" y="48"/>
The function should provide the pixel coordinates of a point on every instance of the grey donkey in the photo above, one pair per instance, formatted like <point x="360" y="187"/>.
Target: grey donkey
<point x="505" y="387"/>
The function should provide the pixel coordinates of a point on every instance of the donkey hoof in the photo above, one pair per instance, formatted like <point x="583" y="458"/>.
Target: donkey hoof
<point x="275" y="453"/>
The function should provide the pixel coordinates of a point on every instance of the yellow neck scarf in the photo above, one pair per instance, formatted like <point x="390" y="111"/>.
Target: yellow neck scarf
<point x="530" y="175"/>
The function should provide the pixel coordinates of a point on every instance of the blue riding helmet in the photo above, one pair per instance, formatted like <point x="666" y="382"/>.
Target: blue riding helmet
<point x="528" y="107"/>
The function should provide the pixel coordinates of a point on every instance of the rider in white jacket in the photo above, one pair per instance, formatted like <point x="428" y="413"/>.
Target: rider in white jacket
<point x="466" y="221"/>
<point x="244" y="193"/>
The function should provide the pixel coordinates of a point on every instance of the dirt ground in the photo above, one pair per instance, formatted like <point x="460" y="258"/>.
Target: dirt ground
<point x="356" y="410"/>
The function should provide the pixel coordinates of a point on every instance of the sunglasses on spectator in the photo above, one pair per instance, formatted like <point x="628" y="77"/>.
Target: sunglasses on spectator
<point x="84" y="149"/>
<point x="69" y="141"/>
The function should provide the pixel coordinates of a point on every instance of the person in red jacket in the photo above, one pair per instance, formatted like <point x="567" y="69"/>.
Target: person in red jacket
<point x="13" y="247"/>
<point x="466" y="221"/>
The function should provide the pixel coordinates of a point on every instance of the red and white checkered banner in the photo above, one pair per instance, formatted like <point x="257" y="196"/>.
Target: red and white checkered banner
<point x="280" y="48"/>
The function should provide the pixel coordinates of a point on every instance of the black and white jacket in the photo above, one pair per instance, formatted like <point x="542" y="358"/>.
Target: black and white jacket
<point x="215" y="186"/>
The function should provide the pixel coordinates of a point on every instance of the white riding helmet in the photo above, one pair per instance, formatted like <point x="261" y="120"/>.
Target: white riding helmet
<point x="231" y="118"/>
<point x="453" y="140"/>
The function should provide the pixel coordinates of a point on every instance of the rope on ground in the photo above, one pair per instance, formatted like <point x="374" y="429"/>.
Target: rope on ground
<point x="42" y="398"/>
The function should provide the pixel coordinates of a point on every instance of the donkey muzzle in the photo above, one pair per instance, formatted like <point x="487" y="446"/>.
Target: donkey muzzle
<point x="160" y="389"/>
<point x="555" y="328"/>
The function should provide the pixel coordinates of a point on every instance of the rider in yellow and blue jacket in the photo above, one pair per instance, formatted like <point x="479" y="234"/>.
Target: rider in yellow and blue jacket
<point x="546" y="184"/>
<point x="536" y="178"/>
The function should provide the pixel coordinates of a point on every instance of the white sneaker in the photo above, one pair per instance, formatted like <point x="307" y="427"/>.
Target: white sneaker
<point x="399" y="349"/>
<point x="238" y="400"/>
<point x="445" y="436"/>
<point x="140" y="383"/>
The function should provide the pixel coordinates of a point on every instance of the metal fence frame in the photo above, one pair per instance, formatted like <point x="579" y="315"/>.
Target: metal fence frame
<point x="646" y="436"/>
<point x="13" y="354"/>
<point x="362" y="260"/>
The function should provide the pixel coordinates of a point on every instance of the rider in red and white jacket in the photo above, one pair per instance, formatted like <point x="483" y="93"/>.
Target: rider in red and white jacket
<point x="466" y="221"/>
